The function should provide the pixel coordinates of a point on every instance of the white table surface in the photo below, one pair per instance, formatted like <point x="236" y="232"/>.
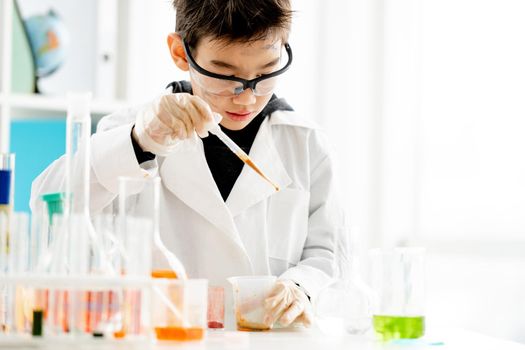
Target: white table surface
<point x="293" y="339"/>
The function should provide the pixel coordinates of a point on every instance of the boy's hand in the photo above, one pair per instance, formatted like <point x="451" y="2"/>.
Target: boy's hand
<point x="170" y="118"/>
<point x="288" y="304"/>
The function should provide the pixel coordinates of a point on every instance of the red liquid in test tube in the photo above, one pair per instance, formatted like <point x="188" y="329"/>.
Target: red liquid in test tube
<point x="215" y="307"/>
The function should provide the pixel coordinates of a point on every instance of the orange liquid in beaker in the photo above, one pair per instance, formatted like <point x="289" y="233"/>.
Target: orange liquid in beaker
<point x="179" y="333"/>
<point x="163" y="274"/>
<point x="119" y="334"/>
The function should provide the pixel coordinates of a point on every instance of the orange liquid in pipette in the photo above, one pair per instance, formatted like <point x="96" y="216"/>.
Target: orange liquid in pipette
<point x="252" y="165"/>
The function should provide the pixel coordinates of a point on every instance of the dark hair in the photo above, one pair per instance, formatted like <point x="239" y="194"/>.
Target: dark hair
<point x="232" y="20"/>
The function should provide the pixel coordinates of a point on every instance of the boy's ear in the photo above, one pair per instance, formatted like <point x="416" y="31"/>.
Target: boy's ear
<point x="177" y="51"/>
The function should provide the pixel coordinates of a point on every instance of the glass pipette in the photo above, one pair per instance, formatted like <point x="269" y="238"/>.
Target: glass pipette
<point x="216" y="130"/>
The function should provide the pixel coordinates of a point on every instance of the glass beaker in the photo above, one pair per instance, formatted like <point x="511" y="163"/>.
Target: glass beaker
<point x="179" y="308"/>
<point x="249" y="293"/>
<point x="398" y="279"/>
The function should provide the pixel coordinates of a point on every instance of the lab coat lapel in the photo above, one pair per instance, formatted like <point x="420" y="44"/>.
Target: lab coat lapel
<point x="187" y="175"/>
<point x="250" y="188"/>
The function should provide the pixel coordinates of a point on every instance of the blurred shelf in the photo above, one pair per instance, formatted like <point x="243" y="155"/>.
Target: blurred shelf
<point x="57" y="104"/>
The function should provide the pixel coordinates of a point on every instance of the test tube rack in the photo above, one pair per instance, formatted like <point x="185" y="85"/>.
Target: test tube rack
<point x="63" y="311"/>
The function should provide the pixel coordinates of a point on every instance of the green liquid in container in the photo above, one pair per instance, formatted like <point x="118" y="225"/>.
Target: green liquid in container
<point x="399" y="327"/>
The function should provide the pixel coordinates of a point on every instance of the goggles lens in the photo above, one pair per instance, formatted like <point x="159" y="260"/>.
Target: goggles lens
<point x="225" y="88"/>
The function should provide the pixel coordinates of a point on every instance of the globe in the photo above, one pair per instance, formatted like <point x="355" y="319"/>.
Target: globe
<point x="48" y="37"/>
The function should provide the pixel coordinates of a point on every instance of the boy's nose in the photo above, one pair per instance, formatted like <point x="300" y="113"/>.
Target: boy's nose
<point x="245" y="98"/>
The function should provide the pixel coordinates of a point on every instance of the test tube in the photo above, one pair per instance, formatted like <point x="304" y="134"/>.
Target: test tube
<point x="78" y="131"/>
<point x="21" y="301"/>
<point x="7" y="168"/>
<point x="133" y="301"/>
<point x="56" y="298"/>
<point x="3" y="266"/>
<point x="7" y="181"/>
<point x="215" y="307"/>
<point x="79" y="250"/>
<point x="77" y="179"/>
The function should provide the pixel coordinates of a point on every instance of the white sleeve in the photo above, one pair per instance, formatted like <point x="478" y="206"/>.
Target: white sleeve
<point x="326" y="217"/>
<point x="112" y="155"/>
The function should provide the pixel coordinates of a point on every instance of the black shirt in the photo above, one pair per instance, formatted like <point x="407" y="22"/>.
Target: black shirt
<point x="224" y="165"/>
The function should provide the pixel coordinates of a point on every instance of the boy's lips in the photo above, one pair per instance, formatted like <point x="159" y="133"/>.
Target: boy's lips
<point x="239" y="116"/>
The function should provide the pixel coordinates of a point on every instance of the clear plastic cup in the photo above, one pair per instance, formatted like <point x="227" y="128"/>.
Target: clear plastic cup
<point x="179" y="309"/>
<point x="249" y="293"/>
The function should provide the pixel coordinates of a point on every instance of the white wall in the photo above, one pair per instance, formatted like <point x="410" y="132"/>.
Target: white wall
<point x="422" y="100"/>
<point x="481" y="293"/>
<point x="148" y="64"/>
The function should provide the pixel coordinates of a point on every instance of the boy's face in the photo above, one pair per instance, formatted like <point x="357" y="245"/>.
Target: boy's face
<point x="242" y="60"/>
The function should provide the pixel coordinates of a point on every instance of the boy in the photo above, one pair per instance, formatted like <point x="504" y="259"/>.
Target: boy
<point x="217" y="215"/>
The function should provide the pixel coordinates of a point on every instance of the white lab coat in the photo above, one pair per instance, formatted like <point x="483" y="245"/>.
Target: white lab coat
<point x="257" y="231"/>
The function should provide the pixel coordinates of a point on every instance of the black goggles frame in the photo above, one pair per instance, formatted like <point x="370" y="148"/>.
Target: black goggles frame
<point x="246" y="84"/>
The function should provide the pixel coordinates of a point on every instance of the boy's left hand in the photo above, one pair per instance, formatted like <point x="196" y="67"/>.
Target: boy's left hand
<point x="288" y="304"/>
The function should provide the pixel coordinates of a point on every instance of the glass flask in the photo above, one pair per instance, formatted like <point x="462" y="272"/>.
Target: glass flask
<point x="140" y="198"/>
<point x="345" y="305"/>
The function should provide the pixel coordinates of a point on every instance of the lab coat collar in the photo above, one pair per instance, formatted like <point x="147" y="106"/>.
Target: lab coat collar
<point x="284" y="117"/>
<point x="250" y="188"/>
<point x="187" y="175"/>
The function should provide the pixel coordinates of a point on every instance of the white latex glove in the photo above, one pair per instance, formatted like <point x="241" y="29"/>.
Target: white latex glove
<point x="171" y="118"/>
<point x="288" y="304"/>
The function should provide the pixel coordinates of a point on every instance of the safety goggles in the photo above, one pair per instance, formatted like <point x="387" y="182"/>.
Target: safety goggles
<point x="227" y="85"/>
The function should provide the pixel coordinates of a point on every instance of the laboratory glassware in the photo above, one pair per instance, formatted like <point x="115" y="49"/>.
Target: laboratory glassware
<point x="77" y="179"/>
<point x="78" y="133"/>
<point x="216" y="307"/>
<point x="345" y="305"/>
<point x="140" y="197"/>
<point x="398" y="279"/>
<point x="7" y="181"/>
<point x="216" y="130"/>
<point x="123" y="310"/>
<point x="7" y="178"/>
<point x="16" y="298"/>
<point x="249" y="293"/>
<point x="179" y="308"/>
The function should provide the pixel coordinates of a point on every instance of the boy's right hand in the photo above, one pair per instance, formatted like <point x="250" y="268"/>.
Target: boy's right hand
<point x="169" y="119"/>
